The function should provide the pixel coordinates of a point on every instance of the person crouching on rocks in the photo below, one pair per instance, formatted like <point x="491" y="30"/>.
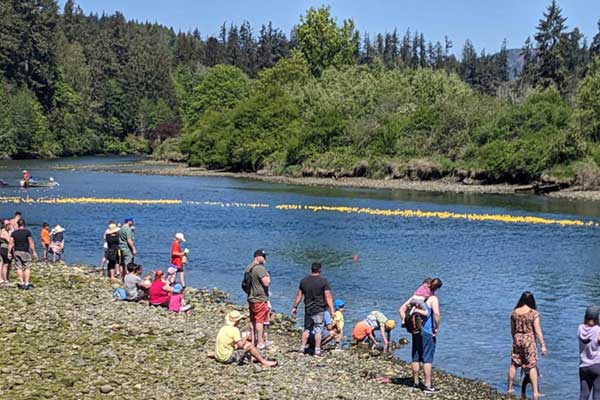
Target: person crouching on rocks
<point x="177" y="300"/>
<point x="375" y="321"/>
<point x="160" y="291"/>
<point x="233" y="347"/>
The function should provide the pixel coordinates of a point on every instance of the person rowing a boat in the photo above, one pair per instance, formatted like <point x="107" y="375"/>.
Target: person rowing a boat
<point x="26" y="178"/>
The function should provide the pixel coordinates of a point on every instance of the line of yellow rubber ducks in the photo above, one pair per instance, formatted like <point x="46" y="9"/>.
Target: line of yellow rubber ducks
<point x="504" y="218"/>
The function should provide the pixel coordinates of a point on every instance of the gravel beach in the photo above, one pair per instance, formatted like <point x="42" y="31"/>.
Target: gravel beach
<point x="67" y="339"/>
<point x="445" y="185"/>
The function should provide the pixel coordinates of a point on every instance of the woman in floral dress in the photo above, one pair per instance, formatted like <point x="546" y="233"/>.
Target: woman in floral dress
<point x="525" y="328"/>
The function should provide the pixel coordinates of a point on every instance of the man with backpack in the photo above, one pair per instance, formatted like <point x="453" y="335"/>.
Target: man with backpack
<point x="424" y="332"/>
<point x="256" y="285"/>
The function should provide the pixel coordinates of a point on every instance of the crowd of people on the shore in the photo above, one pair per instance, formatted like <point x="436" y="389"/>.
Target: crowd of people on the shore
<point x="17" y="249"/>
<point x="323" y="323"/>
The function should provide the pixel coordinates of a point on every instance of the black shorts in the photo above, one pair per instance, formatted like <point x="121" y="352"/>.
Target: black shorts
<point x="4" y="255"/>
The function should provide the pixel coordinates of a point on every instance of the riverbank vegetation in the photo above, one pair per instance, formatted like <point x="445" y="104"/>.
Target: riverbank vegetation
<point x="325" y="101"/>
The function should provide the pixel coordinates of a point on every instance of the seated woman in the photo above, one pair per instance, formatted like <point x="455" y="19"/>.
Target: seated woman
<point x="159" y="293"/>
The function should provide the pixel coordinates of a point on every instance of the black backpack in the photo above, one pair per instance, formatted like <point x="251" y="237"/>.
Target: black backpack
<point x="247" y="281"/>
<point x="413" y="321"/>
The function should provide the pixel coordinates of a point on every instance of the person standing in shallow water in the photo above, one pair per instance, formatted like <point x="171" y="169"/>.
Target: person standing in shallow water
<point x="525" y="329"/>
<point x="588" y="335"/>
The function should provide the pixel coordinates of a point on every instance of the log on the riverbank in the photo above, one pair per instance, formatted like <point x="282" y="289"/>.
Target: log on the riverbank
<point x="67" y="339"/>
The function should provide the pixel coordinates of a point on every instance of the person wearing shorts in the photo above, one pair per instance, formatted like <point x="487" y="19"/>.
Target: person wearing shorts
<point x="4" y="242"/>
<point x="126" y="245"/>
<point x="317" y="298"/>
<point x="231" y="347"/>
<point x="424" y="342"/>
<point x="177" y="256"/>
<point x="20" y="249"/>
<point x="258" y="297"/>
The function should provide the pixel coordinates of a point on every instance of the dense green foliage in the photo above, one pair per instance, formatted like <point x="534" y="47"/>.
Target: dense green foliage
<point x="327" y="101"/>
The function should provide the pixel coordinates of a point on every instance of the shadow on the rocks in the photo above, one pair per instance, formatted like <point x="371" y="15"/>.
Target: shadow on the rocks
<point x="402" y="381"/>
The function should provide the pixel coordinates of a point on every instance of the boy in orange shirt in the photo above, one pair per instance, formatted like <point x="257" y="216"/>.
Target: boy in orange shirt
<point x="45" y="236"/>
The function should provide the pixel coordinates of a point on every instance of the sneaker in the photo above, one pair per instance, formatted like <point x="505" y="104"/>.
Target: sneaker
<point x="268" y="343"/>
<point x="29" y="286"/>
<point x="416" y="386"/>
<point x="429" y="389"/>
<point x="20" y="286"/>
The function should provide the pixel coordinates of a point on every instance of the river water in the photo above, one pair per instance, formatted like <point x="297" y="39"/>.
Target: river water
<point x="484" y="265"/>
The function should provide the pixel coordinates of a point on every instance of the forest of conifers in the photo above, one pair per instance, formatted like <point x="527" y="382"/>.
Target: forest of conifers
<point x="323" y="100"/>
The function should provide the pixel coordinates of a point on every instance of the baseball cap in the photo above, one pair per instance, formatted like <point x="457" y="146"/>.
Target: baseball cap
<point x="127" y="219"/>
<point x="339" y="303"/>
<point x="177" y="288"/>
<point x="260" y="253"/>
<point x="171" y="270"/>
<point x="180" y="236"/>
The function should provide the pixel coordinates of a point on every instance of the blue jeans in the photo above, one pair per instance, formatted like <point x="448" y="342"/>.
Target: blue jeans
<point x="423" y="347"/>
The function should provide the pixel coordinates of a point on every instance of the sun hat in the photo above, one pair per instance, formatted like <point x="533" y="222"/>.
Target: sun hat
<point x="112" y="228"/>
<point x="591" y="313"/>
<point x="177" y="288"/>
<point x="233" y="317"/>
<point x="171" y="270"/>
<point x="339" y="303"/>
<point x="180" y="236"/>
<point x="390" y="324"/>
<point x="58" y="229"/>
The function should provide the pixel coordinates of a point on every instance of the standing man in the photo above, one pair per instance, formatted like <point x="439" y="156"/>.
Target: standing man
<point x="23" y="246"/>
<point x="317" y="299"/>
<point x="177" y="256"/>
<point x="424" y="342"/>
<point x="258" y="297"/>
<point x="126" y="244"/>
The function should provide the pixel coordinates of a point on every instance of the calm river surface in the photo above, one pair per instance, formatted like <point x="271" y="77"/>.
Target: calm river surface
<point x="484" y="265"/>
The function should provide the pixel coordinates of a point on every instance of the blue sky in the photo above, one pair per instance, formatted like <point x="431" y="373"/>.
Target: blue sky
<point x="485" y="22"/>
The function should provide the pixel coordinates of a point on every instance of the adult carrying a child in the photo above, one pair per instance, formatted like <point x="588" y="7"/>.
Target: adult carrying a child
<point x="424" y="340"/>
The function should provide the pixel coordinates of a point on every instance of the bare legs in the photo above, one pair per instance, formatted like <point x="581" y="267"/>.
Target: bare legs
<point x="181" y="278"/>
<point x="258" y="357"/>
<point x="4" y="272"/>
<point x="258" y="332"/>
<point x="426" y="371"/>
<point x="511" y="378"/>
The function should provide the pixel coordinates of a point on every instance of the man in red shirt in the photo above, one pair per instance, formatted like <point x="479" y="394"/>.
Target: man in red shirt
<point x="177" y="256"/>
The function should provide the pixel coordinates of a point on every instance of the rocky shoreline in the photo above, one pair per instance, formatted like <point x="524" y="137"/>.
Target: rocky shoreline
<point x="444" y="185"/>
<point x="68" y="339"/>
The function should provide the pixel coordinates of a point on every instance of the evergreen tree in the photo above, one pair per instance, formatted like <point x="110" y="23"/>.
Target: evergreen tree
<point x="422" y="51"/>
<point x="501" y="61"/>
<point x="405" y="49"/>
<point x="529" y="71"/>
<point x="380" y="45"/>
<point x="595" y="46"/>
<point x="550" y="44"/>
<point x="469" y="68"/>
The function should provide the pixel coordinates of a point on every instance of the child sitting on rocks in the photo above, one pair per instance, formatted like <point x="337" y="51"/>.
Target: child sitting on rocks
<point x="177" y="300"/>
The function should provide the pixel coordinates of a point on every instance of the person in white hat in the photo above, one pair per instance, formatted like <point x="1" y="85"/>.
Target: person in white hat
<point x="234" y="348"/>
<point x="177" y="256"/>
<point x="58" y="243"/>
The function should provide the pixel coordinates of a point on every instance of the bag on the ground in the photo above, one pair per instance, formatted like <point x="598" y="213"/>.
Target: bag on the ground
<point x="247" y="281"/>
<point x="413" y="322"/>
<point x="119" y="294"/>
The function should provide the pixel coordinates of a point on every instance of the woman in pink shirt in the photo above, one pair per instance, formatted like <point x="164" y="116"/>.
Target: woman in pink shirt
<point x="159" y="293"/>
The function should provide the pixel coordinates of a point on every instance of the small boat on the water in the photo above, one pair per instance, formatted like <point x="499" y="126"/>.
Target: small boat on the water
<point x="38" y="184"/>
